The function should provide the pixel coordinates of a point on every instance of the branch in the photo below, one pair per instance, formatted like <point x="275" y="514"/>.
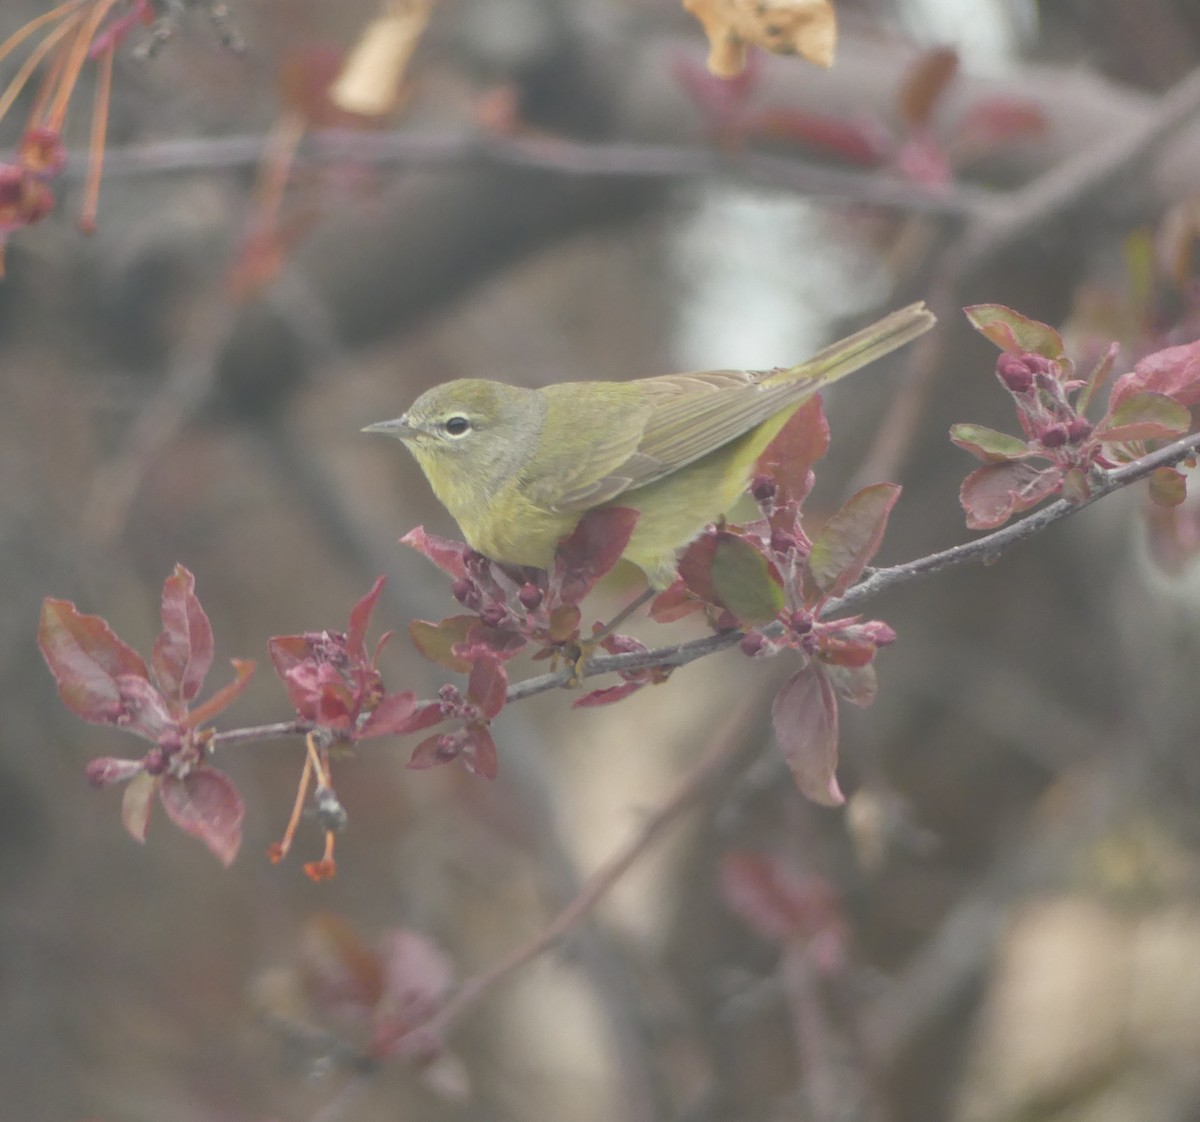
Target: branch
<point x="984" y="549"/>
<point x="452" y="149"/>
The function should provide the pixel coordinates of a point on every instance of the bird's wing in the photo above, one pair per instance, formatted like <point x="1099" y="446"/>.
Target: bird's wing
<point x="685" y="416"/>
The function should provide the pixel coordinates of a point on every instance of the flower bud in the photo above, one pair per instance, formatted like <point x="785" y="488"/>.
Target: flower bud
<point x="1079" y="430"/>
<point x="1054" y="436"/>
<point x="530" y="597"/>
<point x="462" y="589"/>
<point x="494" y="615"/>
<point x="801" y="623"/>
<point x="782" y="541"/>
<point x="1016" y="372"/>
<point x="762" y="489"/>
<point x="104" y="771"/>
<point x="752" y="643"/>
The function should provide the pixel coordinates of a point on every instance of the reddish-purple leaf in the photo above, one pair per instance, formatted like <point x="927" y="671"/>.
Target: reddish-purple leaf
<point x="183" y="652"/>
<point x="417" y="976"/>
<point x="590" y="550"/>
<point x="435" y="750"/>
<point x="861" y="141"/>
<point x="789" y="458"/>
<point x="135" y="805"/>
<point x="805" y="717"/>
<point x="491" y="642"/>
<point x="86" y="658"/>
<point x="1174" y="372"/>
<point x="849" y="540"/>
<point x="398" y="713"/>
<point x="144" y="711"/>
<point x="1143" y="416"/>
<point x="447" y="555"/>
<point x="995" y="121"/>
<point x="343" y="975"/>
<point x="774" y="901"/>
<point x="695" y="568"/>
<point x="607" y="696"/>
<point x="1015" y="333"/>
<point x="436" y="641"/>
<point x="360" y="620"/>
<point x="479" y="752"/>
<point x="988" y="444"/>
<point x="243" y="671"/>
<point x="487" y="686"/>
<point x="206" y="804"/>
<point x="992" y="494"/>
<point x="674" y="603"/>
<point x="1168" y="486"/>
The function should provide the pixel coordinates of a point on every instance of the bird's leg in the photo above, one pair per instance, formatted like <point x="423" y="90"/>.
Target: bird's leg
<point x="587" y="647"/>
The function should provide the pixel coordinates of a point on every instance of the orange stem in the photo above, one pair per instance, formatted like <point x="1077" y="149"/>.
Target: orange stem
<point x="13" y="90"/>
<point x="91" y="192"/>
<point x="19" y="36"/>
<point x="75" y="60"/>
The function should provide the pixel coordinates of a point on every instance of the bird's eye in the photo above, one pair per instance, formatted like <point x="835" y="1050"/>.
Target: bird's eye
<point x="457" y="426"/>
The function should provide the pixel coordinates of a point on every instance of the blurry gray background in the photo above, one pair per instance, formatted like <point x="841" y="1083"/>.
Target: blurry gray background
<point x="1018" y="860"/>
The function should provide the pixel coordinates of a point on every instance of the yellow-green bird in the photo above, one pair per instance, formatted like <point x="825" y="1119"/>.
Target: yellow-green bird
<point x="518" y="468"/>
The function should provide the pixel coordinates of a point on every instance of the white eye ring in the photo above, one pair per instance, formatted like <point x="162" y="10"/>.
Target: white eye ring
<point x="457" y="426"/>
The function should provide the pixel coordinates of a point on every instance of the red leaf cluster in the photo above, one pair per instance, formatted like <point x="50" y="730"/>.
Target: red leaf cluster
<point x="771" y="580"/>
<point x="106" y="681"/>
<point x="1060" y="447"/>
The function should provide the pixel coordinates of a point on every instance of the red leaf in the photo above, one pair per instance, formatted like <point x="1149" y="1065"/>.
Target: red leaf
<point x="849" y="540"/>
<point x="417" y="976"/>
<point x="487" y="687"/>
<point x="243" y="670"/>
<point x="674" y="603"/>
<point x="435" y="750"/>
<point x="479" y="752"/>
<point x="393" y="716"/>
<point x="491" y="642"/>
<point x="1015" y="333"/>
<point x="804" y="714"/>
<point x="135" y="805"/>
<point x="144" y="710"/>
<point x="360" y="620"/>
<point x="86" y="658"/>
<point x="1174" y="372"/>
<point x="206" y="804"/>
<point x="789" y="458"/>
<point x="590" y="550"/>
<point x="342" y="973"/>
<point x="436" y="641"/>
<point x="995" y="121"/>
<point x="1145" y="415"/>
<point x="183" y="652"/>
<point x="447" y="555"/>
<point x="774" y="901"/>
<point x="607" y="696"/>
<point x="992" y="494"/>
<point x="861" y="141"/>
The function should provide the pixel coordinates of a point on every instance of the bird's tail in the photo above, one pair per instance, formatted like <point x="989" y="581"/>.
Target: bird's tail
<point x="855" y="351"/>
